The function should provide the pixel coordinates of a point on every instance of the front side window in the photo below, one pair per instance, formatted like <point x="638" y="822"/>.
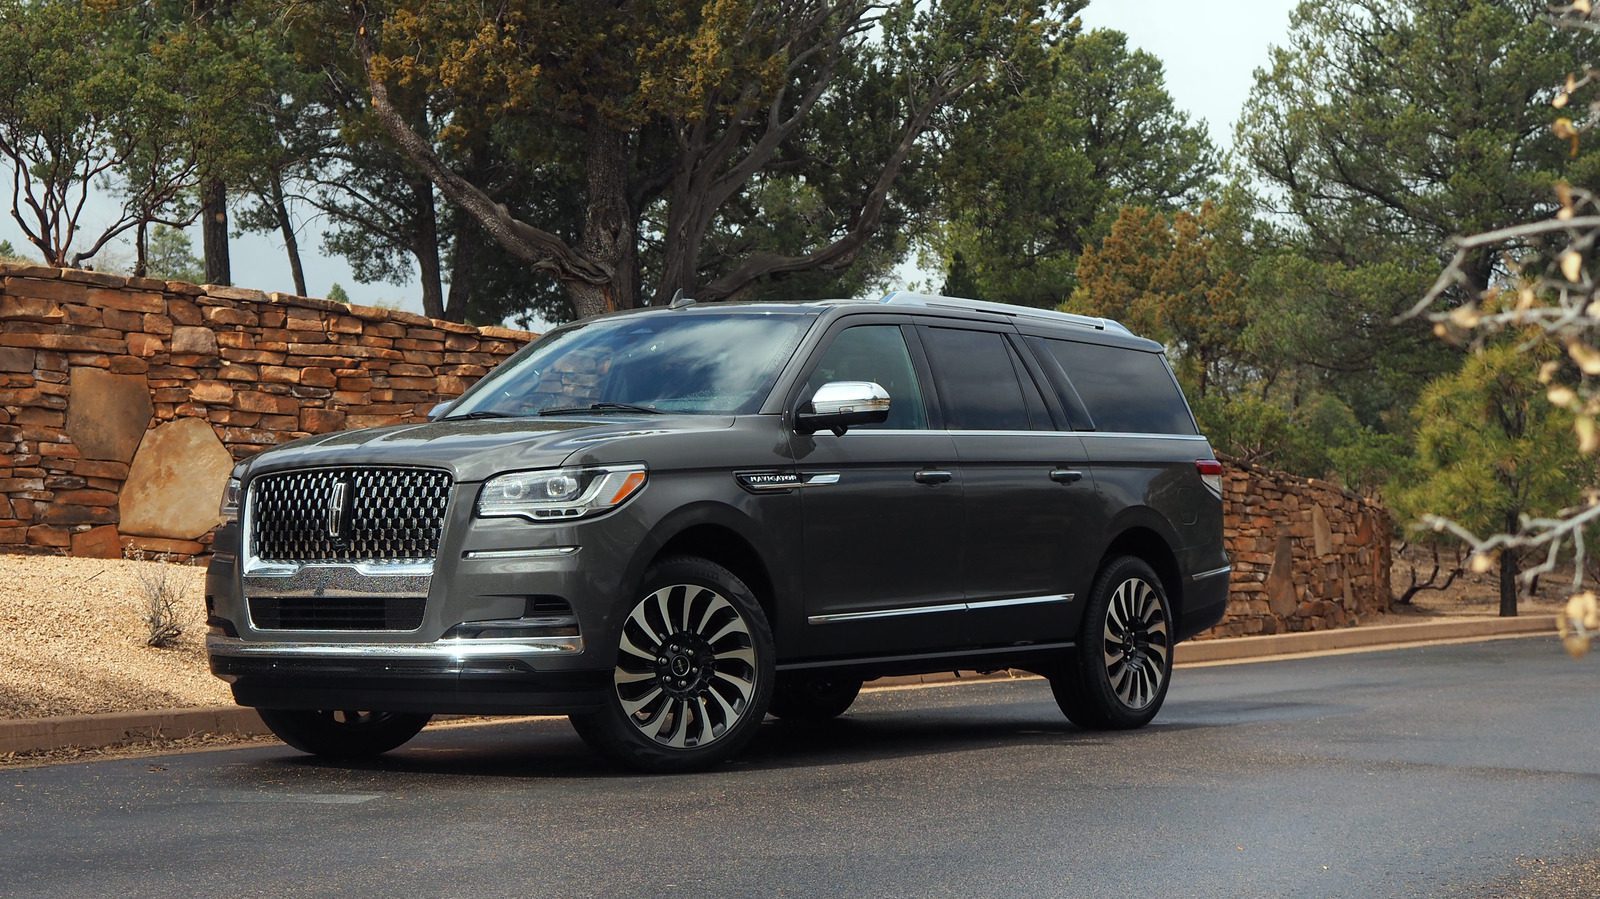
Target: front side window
<point x="874" y="353"/>
<point x="695" y="362"/>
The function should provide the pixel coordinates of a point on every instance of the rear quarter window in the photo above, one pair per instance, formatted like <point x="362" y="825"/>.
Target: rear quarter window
<point x="1125" y="390"/>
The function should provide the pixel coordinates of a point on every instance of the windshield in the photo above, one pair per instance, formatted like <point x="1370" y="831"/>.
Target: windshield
<point x="701" y="363"/>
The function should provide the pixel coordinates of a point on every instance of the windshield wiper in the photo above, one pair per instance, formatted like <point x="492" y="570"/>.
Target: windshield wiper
<point x="598" y="407"/>
<point x="481" y="413"/>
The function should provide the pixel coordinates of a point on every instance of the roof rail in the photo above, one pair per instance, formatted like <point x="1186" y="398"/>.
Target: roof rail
<point x="904" y="298"/>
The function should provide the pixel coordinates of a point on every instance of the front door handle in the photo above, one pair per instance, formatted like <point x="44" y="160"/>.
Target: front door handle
<point x="933" y="476"/>
<point x="1066" y="476"/>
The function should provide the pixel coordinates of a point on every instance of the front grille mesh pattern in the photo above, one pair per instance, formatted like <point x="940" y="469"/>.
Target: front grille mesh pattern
<point x="308" y="613"/>
<point x="389" y="515"/>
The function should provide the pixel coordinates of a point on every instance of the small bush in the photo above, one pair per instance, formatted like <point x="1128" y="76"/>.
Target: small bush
<point x="160" y="601"/>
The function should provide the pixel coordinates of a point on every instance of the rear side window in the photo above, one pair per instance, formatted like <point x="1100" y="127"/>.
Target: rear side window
<point x="1127" y="391"/>
<point x="979" y="389"/>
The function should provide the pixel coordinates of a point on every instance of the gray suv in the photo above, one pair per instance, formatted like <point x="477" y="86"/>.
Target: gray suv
<point x="669" y="523"/>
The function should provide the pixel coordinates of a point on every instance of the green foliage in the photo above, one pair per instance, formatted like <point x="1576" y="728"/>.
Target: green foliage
<point x="140" y="101"/>
<point x="1380" y="130"/>
<point x="1175" y="280"/>
<point x="338" y="294"/>
<point x="8" y="253"/>
<point x="1490" y="447"/>
<point x="171" y="256"/>
<point x="1037" y="172"/>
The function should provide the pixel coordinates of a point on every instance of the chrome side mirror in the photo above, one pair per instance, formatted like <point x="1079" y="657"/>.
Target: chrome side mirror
<point x="837" y="405"/>
<point x="437" y="412"/>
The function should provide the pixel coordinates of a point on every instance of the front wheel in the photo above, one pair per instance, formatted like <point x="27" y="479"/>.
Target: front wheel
<point x="1117" y="677"/>
<point x="342" y="734"/>
<point x="693" y="672"/>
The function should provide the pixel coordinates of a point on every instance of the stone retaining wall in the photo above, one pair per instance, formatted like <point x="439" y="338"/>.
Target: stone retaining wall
<point x="1307" y="555"/>
<point x="124" y="401"/>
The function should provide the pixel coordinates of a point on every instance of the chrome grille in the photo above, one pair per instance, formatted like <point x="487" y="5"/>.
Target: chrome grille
<point x="385" y="515"/>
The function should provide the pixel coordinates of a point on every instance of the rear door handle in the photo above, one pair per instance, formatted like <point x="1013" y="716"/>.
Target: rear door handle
<point x="933" y="476"/>
<point x="1066" y="476"/>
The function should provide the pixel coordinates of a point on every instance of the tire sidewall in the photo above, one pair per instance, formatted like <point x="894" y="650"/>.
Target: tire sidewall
<point x="1092" y="677"/>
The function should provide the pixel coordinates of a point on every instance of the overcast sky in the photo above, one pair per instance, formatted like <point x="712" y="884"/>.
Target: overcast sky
<point x="1209" y="48"/>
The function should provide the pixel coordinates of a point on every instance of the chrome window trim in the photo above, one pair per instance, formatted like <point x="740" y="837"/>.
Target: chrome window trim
<point x="981" y="605"/>
<point x="958" y="433"/>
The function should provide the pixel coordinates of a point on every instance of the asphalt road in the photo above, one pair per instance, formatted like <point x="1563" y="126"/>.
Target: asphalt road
<point x="1435" y="771"/>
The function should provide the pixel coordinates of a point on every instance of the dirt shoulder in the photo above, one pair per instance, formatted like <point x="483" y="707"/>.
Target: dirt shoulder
<point x="74" y="638"/>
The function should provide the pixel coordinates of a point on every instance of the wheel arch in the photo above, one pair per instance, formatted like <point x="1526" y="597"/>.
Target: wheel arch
<point x="719" y="534"/>
<point x="1144" y="539"/>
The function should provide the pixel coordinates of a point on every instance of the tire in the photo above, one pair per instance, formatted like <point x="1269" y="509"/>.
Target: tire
<point x="813" y="698"/>
<point x="342" y="734"/>
<point x="692" y="675"/>
<point x="1117" y="677"/>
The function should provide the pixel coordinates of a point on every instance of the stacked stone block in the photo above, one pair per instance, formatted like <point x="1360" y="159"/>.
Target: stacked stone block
<point x="123" y="401"/>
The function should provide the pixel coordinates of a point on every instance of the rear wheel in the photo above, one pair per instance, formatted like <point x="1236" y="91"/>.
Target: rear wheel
<point x="813" y="698"/>
<point x="342" y="734"/>
<point x="693" y="672"/>
<point x="1117" y="677"/>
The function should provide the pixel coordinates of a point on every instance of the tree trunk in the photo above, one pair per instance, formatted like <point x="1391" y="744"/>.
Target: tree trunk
<point x="463" y="260"/>
<point x="214" y="231"/>
<point x="291" y="245"/>
<point x="425" y="246"/>
<point x="608" y="224"/>
<point x="1508" y="574"/>
<point x="141" y="250"/>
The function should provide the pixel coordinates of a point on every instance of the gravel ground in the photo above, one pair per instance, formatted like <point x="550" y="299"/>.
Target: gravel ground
<point x="72" y="638"/>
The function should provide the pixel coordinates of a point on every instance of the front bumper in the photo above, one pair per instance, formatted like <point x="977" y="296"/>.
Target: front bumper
<point x="449" y="676"/>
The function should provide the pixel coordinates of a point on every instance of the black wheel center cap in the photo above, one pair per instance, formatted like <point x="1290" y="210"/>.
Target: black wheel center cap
<point x="680" y="665"/>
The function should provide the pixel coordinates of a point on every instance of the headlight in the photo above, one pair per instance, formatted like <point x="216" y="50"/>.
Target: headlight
<point x="560" y="493"/>
<point x="229" y="511"/>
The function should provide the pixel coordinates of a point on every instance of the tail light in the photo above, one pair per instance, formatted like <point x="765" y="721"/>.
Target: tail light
<point x="1211" y="473"/>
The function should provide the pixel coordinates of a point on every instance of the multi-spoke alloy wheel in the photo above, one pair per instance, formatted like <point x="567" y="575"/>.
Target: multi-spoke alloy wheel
<point x="686" y="669"/>
<point x="1136" y="646"/>
<point x="693" y="672"/>
<point x="1117" y="678"/>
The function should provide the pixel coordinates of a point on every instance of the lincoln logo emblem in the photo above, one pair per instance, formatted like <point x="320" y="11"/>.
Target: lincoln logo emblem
<point x="337" y="503"/>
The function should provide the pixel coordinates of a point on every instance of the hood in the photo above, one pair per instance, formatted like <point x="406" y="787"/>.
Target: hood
<point x="475" y="450"/>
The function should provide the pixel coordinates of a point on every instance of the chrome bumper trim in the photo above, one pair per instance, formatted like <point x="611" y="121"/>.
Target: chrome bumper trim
<point x="540" y="553"/>
<point x="257" y="568"/>
<point x="1212" y="573"/>
<point x="455" y="650"/>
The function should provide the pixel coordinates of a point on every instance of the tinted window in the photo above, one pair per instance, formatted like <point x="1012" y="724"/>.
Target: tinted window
<point x="1126" y="390"/>
<point x="688" y="362"/>
<point x="978" y="387"/>
<point x="874" y="353"/>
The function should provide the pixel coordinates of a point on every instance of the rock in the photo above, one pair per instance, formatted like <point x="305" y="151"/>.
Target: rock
<point x="198" y="341"/>
<point x="1282" y="596"/>
<point x="98" y="543"/>
<point x="175" y="483"/>
<point x="107" y="414"/>
<point x="1321" y="534"/>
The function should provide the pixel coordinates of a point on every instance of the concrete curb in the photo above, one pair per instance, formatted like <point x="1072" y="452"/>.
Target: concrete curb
<point x="111" y="729"/>
<point x="93" y="731"/>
